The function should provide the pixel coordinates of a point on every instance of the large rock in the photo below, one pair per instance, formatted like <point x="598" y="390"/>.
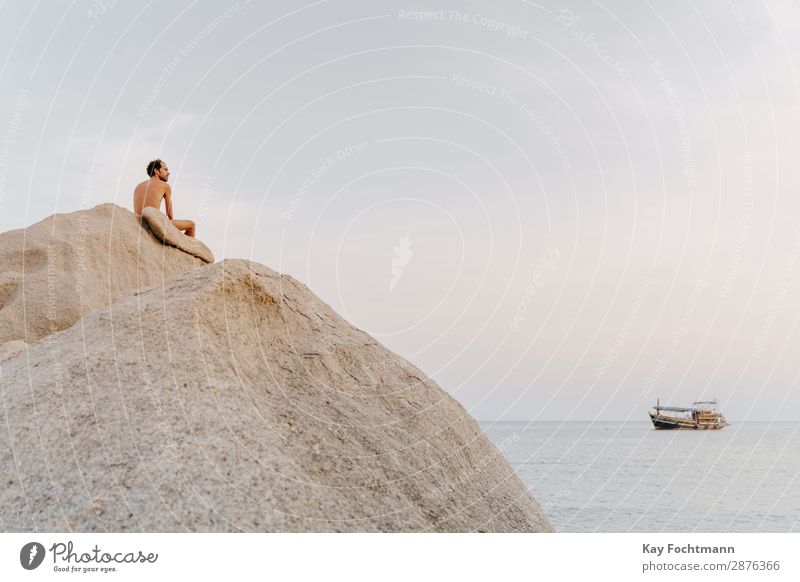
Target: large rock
<point x="54" y="271"/>
<point x="233" y="399"/>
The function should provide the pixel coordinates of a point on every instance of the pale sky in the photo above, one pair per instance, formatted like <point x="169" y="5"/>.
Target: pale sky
<point x="558" y="211"/>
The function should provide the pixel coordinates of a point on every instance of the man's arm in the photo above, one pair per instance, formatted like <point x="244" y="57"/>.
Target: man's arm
<point x="168" y="201"/>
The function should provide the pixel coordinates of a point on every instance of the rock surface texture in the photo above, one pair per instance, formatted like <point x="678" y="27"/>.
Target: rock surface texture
<point x="230" y="398"/>
<point x="54" y="271"/>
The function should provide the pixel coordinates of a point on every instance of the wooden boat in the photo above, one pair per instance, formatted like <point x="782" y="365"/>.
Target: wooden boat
<point x="703" y="415"/>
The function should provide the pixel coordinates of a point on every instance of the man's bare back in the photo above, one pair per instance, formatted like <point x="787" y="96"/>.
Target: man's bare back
<point x="151" y="192"/>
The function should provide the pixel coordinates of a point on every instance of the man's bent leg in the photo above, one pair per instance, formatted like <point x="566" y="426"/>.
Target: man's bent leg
<point x="185" y="225"/>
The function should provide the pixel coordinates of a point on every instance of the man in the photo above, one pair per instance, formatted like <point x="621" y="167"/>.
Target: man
<point x="152" y="191"/>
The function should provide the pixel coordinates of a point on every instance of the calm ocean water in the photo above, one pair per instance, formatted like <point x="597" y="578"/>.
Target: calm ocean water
<point x="626" y="477"/>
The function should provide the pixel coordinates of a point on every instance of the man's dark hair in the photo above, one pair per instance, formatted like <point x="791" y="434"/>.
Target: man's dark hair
<point x="153" y="166"/>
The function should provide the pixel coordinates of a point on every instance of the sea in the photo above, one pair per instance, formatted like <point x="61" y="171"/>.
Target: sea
<point x="627" y="477"/>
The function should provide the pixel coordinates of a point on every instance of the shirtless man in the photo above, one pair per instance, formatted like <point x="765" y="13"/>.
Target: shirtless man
<point x="150" y="192"/>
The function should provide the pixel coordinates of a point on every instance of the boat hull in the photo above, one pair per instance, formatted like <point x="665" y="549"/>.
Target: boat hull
<point x="663" y="422"/>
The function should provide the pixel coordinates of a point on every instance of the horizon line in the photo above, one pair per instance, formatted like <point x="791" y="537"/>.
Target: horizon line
<point x="730" y="421"/>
